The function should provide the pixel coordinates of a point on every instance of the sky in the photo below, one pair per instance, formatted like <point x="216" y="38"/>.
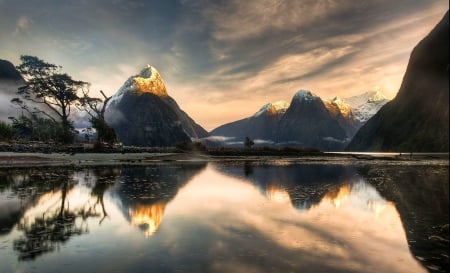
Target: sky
<point x="222" y="60"/>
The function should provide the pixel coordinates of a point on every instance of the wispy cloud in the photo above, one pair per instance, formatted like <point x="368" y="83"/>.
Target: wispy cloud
<point x="22" y="26"/>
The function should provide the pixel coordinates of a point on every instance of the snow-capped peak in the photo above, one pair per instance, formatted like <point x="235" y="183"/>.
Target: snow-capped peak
<point x="343" y="107"/>
<point x="147" y="71"/>
<point x="370" y="96"/>
<point x="378" y="96"/>
<point x="365" y="105"/>
<point x="147" y="81"/>
<point x="305" y="95"/>
<point x="273" y="108"/>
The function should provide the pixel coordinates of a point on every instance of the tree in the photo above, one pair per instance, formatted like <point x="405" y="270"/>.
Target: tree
<point x="96" y="108"/>
<point x="6" y="131"/>
<point x="34" y="127"/>
<point x="46" y="85"/>
<point x="248" y="143"/>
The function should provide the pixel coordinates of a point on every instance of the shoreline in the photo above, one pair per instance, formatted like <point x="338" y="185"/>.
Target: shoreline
<point x="34" y="160"/>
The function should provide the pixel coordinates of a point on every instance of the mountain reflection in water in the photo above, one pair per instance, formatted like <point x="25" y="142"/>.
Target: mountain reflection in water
<point x="195" y="217"/>
<point x="145" y="192"/>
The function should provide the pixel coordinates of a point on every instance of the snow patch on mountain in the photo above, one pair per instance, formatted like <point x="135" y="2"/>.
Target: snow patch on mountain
<point x="273" y="108"/>
<point x="305" y="95"/>
<point x="366" y="105"/>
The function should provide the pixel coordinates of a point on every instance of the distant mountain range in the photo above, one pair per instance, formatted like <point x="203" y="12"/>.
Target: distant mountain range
<point x="262" y="125"/>
<point x="307" y="121"/>
<point x="417" y="119"/>
<point x="143" y="114"/>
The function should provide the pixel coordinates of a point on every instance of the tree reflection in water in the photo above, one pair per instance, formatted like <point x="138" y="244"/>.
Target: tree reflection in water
<point x="143" y="194"/>
<point x="48" y="231"/>
<point x="104" y="179"/>
<point x="253" y="215"/>
<point x="57" y="224"/>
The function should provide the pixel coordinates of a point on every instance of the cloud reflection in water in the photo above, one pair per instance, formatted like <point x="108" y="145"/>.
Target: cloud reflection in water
<point x="226" y="218"/>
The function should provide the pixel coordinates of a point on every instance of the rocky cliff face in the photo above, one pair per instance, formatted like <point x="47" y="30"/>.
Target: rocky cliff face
<point x="343" y="114"/>
<point x="143" y="114"/>
<point x="417" y="119"/>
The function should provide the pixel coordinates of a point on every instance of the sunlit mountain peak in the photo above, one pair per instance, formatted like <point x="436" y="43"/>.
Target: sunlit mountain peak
<point x="147" y="81"/>
<point x="338" y="105"/>
<point x="148" y="217"/>
<point x="150" y="81"/>
<point x="377" y="96"/>
<point x="273" y="108"/>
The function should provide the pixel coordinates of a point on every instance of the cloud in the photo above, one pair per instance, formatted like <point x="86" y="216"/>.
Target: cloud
<point x="222" y="60"/>
<point x="218" y="138"/>
<point x="22" y="26"/>
<point x="7" y="109"/>
<point x="263" y="142"/>
<point x="332" y="139"/>
<point x="242" y="20"/>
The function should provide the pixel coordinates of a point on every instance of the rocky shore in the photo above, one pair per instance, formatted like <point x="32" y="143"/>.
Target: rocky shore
<point x="31" y="154"/>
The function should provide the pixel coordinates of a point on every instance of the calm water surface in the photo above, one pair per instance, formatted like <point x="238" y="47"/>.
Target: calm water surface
<point x="205" y="217"/>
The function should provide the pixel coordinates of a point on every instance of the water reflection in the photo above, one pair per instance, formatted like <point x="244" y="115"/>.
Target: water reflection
<point x="60" y="211"/>
<point x="350" y="228"/>
<point x="148" y="217"/>
<point x="204" y="218"/>
<point x="144" y="192"/>
<point x="302" y="185"/>
<point x="21" y="189"/>
<point x="421" y="195"/>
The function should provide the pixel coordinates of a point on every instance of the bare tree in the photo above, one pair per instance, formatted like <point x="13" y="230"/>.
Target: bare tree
<point x="96" y="108"/>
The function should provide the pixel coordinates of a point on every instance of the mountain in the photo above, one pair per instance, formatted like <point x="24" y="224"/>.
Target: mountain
<point x="342" y="112"/>
<point x="10" y="80"/>
<point x="417" y="119"/>
<point x="280" y="123"/>
<point x="8" y="72"/>
<point x="262" y="125"/>
<point x="308" y="123"/>
<point x="143" y="114"/>
<point x="366" y="105"/>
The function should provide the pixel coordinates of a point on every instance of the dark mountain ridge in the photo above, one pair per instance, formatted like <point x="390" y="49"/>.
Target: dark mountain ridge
<point x="417" y="119"/>
<point x="8" y="72"/>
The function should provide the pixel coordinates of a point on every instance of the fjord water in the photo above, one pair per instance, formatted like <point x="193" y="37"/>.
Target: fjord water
<point x="224" y="217"/>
